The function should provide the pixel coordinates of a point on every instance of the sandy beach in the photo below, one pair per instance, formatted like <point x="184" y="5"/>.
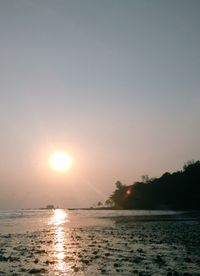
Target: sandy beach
<point x="118" y="245"/>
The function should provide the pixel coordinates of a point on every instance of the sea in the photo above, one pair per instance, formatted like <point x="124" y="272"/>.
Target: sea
<point x="64" y="242"/>
<point x="14" y="221"/>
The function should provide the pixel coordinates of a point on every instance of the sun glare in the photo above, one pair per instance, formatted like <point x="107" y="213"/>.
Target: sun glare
<point x="60" y="161"/>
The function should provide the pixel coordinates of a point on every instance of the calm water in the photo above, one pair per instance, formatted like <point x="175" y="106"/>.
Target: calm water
<point x="13" y="221"/>
<point x="97" y="242"/>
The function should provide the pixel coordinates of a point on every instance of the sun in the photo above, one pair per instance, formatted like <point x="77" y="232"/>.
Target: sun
<point x="60" y="161"/>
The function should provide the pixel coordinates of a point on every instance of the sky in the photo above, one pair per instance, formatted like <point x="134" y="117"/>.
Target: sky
<point x="113" y="83"/>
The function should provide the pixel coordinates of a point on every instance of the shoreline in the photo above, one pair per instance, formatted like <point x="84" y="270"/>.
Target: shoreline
<point x="129" y="245"/>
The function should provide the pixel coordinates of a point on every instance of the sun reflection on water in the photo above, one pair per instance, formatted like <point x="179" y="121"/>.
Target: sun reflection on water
<point x="59" y="249"/>
<point x="58" y="220"/>
<point x="59" y="217"/>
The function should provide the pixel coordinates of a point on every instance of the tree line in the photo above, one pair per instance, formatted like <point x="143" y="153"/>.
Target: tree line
<point x="178" y="190"/>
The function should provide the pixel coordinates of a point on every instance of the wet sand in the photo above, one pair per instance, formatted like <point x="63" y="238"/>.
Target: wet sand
<point x="164" y="245"/>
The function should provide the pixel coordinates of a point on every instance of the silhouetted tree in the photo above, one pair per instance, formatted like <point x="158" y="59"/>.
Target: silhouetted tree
<point x="189" y="164"/>
<point x="118" y="197"/>
<point x="99" y="204"/>
<point x="109" y="203"/>
<point x="179" y="190"/>
<point x="145" y="178"/>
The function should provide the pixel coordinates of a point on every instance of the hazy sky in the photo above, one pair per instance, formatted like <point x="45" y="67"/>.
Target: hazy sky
<point x="113" y="82"/>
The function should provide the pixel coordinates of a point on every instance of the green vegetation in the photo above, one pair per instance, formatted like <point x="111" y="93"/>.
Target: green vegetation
<point x="179" y="190"/>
